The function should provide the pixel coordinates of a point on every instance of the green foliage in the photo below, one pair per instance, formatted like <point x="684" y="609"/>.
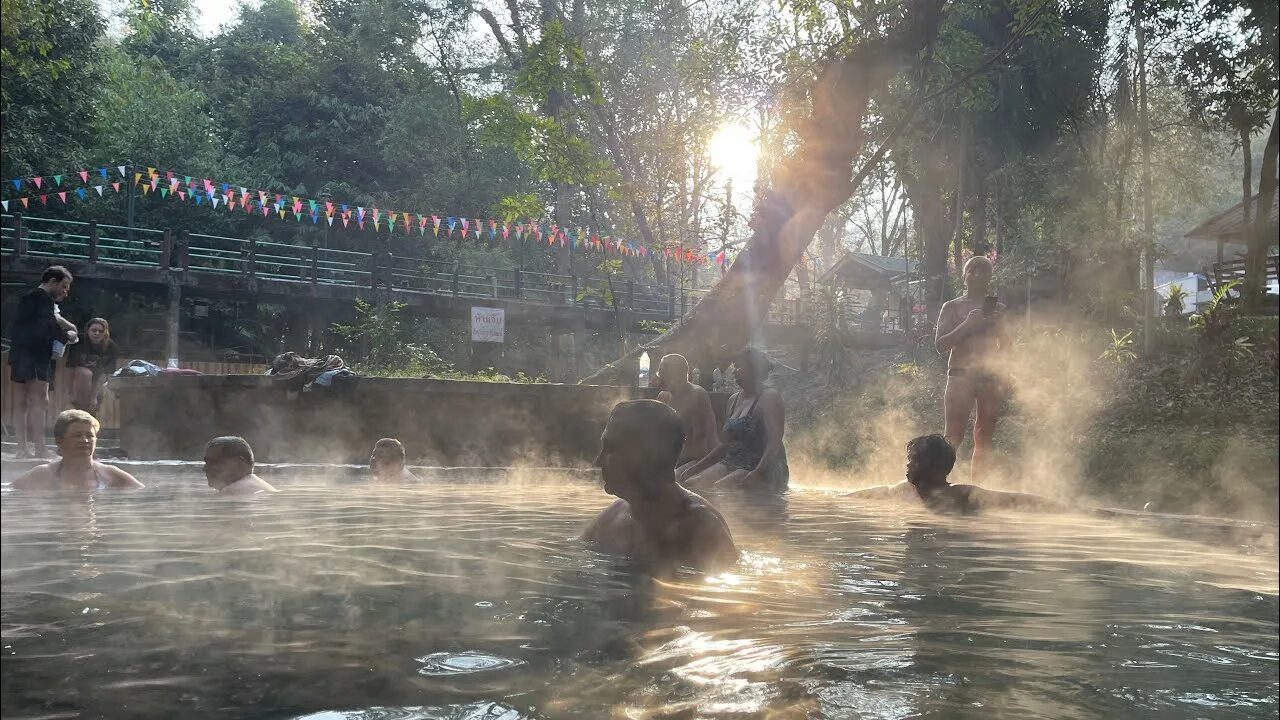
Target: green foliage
<point x="1120" y="350"/>
<point x="832" y="335"/>
<point x="1175" y="303"/>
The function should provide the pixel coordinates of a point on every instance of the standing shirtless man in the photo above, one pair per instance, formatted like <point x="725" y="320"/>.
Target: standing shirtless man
<point x="972" y="338"/>
<point x="693" y="404"/>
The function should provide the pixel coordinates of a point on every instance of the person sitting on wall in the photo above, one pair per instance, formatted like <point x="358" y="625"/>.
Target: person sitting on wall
<point x="654" y="519"/>
<point x="91" y="360"/>
<point x="930" y="459"/>
<point x="228" y="466"/>
<point x="693" y="404"/>
<point x="750" y="454"/>
<point x="75" y="432"/>
<point x="387" y="462"/>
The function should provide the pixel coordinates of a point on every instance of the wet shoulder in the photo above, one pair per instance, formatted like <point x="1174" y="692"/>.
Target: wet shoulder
<point x="40" y="476"/>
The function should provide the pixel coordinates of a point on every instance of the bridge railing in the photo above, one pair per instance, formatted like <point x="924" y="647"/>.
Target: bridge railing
<point x="57" y="239"/>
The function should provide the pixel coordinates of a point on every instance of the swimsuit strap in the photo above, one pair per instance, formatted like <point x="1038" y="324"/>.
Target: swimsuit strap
<point x="100" y="483"/>
<point x="753" y="404"/>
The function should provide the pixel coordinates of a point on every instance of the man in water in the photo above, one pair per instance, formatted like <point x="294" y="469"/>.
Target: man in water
<point x="387" y="462"/>
<point x="693" y="404"/>
<point x="75" y="432"/>
<point x="930" y="459"/>
<point x="655" y="519"/>
<point x="228" y="466"/>
<point x="971" y="336"/>
<point x="36" y="326"/>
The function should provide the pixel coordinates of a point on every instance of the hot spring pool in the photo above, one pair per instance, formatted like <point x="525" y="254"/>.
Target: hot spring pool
<point x="473" y="600"/>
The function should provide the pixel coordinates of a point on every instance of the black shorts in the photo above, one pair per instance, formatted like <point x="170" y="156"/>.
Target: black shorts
<point x="27" y="366"/>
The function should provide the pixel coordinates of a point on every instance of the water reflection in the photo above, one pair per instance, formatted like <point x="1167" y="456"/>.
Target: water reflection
<point x="473" y="600"/>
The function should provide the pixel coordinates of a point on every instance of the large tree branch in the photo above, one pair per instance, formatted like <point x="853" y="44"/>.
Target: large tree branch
<point x="489" y="19"/>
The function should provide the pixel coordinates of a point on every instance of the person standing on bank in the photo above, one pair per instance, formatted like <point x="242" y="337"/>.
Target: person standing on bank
<point x="750" y="454"/>
<point x="91" y="360"/>
<point x="36" y="327"/>
<point x="972" y="334"/>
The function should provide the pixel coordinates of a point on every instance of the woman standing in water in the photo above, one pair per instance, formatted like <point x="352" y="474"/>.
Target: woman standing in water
<point x="91" y="361"/>
<point x="750" y="453"/>
<point x="75" y="432"/>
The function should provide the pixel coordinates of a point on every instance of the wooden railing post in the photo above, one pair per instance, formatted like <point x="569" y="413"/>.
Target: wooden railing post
<point x="19" y="236"/>
<point x="251" y="267"/>
<point x="517" y="272"/>
<point x="184" y="250"/>
<point x="671" y="302"/>
<point x="631" y="294"/>
<point x="93" y="242"/>
<point x="166" y="249"/>
<point x="315" y="264"/>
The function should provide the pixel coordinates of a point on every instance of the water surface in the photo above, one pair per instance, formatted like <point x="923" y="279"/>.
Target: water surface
<point x="474" y="600"/>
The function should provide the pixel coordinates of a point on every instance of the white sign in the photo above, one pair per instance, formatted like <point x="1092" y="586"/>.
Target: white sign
<point x="487" y="324"/>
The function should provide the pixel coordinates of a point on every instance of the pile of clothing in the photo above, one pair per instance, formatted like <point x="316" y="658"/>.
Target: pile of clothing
<point x="142" y="368"/>
<point x="299" y="373"/>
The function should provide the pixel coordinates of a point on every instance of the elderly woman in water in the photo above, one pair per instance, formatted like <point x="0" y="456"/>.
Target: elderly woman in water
<point x="75" y="432"/>
<point x="750" y="453"/>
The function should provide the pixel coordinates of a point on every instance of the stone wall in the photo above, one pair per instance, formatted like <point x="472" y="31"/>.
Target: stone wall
<point x="441" y="422"/>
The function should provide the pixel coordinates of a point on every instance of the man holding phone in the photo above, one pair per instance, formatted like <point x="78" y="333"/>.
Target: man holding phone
<point x="971" y="333"/>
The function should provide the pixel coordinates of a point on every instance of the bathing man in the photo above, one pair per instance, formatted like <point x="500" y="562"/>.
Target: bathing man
<point x="387" y="462"/>
<point x="693" y="405"/>
<point x="929" y="460"/>
<point x="228" y="466"/>
<point x="654" y="519"/>
<point x="971" y="337"/>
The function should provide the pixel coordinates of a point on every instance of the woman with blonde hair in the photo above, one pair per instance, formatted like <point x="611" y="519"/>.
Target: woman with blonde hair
<point x="90" y="362"/>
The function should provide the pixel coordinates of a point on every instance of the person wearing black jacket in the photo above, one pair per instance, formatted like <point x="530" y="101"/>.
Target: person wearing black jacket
<point x="36" y="326"/>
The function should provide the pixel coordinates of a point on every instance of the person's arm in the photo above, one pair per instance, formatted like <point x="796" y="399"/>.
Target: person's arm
<point x="705" y="428"/>
<point x="952" y="331"/>
<point x="713" y="547"/>
<point x="1013" y="500"/>
<point x="880" y="492"/>
<point x="121" y="479"/>
<point x="717" y="453"/>
<point x="774" y="415"/>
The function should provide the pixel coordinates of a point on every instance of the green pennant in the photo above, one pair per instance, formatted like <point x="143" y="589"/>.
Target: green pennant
<point x="313" y="206"/>
<point x="164" y="192"/>
<point x="57" y="180"/>
<point x="297" y="216"/>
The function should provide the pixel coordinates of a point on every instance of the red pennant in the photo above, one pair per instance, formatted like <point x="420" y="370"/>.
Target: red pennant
<point x="115" y="186"/>
<point x="44" y="199"/>
<point x="84" y="176"/>
<point x="38" y="181"/>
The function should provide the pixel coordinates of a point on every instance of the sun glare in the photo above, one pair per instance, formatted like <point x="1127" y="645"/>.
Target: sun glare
<point x="733" y="150"/>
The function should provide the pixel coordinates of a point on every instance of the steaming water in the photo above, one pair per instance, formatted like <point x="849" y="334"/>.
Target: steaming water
<point x="472" y="600"/>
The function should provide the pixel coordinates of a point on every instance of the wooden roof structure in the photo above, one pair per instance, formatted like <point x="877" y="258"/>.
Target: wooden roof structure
<point x="1228" y="225"/>
<point x="865" y="271"/>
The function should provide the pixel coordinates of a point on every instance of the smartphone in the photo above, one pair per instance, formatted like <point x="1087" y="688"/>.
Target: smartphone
<point x="989" y="304"/>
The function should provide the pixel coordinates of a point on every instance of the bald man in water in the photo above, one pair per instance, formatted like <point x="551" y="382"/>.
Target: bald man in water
<point x="693" y="404"/>
<point x="654" y="519"/>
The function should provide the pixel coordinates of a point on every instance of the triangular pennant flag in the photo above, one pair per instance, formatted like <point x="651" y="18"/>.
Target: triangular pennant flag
<point x="231" y="205"/>
<point x="328" y="208"/>
<point x="5" y="205"/>
<point x="164" y="192"/>
<point x="17" y="184"/>
<point x="312" y="203"/>
<point x="99" y="189"/>
<point x="465" y="223"/>
<point x="280" y="212"/>
<point x="38" y="181"/>
<point x="154" y="182"/>
<point x="84" y="176"/>
<point x="297" y="216"/>
<point x="137" y="178"/>
<point x="115" y="186"/>
<point x="330" y="219"/>
<point x="44" y="199"/>
<point x="182" y="195"/>
<point x="57" y="180"/>
<point x="24" y="201"/>
<point x="103" y="173"/>
<point x="168" y="174"/>
<point x="81" y="192"/>
<point x="121" y="168"/>
<point x="344" y="220"/>
<point x="213" y="200"/>
<point x="151" y="171"/>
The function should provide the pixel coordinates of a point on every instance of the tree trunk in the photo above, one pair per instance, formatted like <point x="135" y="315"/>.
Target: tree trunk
<point x="980" y="214"/>
<point x="1255" y="256"/>
<point x="1148" y="219"/>
<point x="804" y="188"/>
<point x="1246" y="149"/>
<point x="930" y="214"/>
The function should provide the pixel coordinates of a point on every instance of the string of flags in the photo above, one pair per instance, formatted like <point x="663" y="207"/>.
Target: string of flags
<point x="169" y="184"/>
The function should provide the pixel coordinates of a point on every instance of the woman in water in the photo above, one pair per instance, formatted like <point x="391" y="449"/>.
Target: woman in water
<point x="75" y="432"/>
<point x="91" y="361"/>
<point x="750" y="453"/>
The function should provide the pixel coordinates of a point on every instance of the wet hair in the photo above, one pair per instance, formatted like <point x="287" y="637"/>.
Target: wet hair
<point x="757" y="363"/>
<point x="232" y="446"/>
<point x="678" y="360"/>
<point x="936" y="450"/>
<point x="390" y="446"/>
<point x="55" y="273"/>
<point x="652" y="422"/>
<point x="67" y="418"/>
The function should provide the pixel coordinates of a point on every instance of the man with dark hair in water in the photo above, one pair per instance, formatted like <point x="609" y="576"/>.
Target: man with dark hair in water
<point x="387" y="462"/>
<point x="228" y="466"/>
<point x="655" y="519"/>
<point x="930" y="459"/>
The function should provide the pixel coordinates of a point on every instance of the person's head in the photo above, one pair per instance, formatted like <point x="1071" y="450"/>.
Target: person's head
<point x="56" y="280"/>
<point x="226" y="460"/>
<point x="929" y="460"/>
<point x="751" y="368"/>
<point x="75" y="432"/>
<point x="673" y="371"/>
<point x="639" y="448"/>
<point x="387" y="456"/>
<point x="98" y="331"/>
<point x="977" y="274"/>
